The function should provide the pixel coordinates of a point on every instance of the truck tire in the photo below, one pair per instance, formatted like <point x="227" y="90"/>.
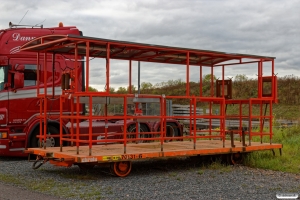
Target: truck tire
<point x="172" y="131"/>
<point x="132" y="129"/>
<point x="50" y="141"/>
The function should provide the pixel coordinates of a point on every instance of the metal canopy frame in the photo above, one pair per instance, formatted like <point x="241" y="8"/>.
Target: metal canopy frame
<point x="113" y="49"/>
<point x="66" y="44"/>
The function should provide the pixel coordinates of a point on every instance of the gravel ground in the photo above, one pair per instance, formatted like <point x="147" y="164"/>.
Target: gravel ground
<point x="183" y="178"/>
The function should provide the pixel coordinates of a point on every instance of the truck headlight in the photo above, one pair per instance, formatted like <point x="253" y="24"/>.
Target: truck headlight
<point x="3" y="135"/>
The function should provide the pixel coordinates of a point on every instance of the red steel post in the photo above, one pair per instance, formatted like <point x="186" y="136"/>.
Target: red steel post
<point x="45" y="98"/>
<point x="130" y="69"/>
<point x="76" y="67"/>
<point x="194" y="115"/>
<point x="125" y="122"/>
<point x="77" y="124"/>
<point x="200" y="82"/>
<point x="187" y="92"/>
<point x="38" y="74"/>
<point x="87" y="66"/>
<point x="90" y="123"/>
<point x="60" y="122"/>
<point x="107" y="66"/>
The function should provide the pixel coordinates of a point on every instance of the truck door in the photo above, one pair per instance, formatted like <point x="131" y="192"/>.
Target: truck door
<point x="23" y="102"/>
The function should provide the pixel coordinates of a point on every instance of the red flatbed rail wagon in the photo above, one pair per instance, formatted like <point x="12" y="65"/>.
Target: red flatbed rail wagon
<point x="89" y="140"/>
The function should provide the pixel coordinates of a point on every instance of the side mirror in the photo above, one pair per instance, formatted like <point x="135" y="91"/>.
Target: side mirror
<point x="18" y="80"/>
<point x="19" y="68"/>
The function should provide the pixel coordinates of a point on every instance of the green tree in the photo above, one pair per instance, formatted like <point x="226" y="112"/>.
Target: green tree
<point x="133" y="89"/>
<point x="146" y="87"/>
<point x="121" y="90"/>
<point x="111" y="90"/>
<point x="241" y="77"/>
<point x="207" y="78"/>
<point x="206" y="84"/>
<point x="91" y="89"/>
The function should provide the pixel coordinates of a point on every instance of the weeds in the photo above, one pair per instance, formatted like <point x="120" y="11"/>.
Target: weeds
<point x="200" y="172"/>
<point x="10" y="179"/>
<point x="289" y="161"/>
<point x="54" y="187"/>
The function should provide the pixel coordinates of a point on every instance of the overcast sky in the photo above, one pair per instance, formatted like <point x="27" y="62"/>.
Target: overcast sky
<point x="259" y="27"/>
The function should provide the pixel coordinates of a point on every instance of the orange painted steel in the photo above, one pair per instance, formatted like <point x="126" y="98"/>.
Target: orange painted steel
<point x="92" y="138"/>
<point x="114" y="152"/>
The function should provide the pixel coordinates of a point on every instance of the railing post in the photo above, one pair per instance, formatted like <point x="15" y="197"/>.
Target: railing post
<point x="232" y="139"/>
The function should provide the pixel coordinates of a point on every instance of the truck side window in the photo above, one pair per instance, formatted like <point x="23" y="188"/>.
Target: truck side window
<point x="30" y="76"/>
<point x="3" y="76"/>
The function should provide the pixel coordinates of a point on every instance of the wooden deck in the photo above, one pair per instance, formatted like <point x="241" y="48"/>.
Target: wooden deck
<point x="115" y="152"/>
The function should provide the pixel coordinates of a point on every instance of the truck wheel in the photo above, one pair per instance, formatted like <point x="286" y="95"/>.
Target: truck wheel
<point x="121" y="169"/>
<point x="172" y="131"/>
<point x="50" y="141"/>
<point x="131" y="133"/>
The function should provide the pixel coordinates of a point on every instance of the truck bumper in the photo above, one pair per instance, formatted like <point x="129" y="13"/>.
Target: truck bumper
<point x="8" y="149"/>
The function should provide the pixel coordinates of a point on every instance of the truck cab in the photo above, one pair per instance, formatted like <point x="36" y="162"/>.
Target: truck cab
<point x="19" y="104"/>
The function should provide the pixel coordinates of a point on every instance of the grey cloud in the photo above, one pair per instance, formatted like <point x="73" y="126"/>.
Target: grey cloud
<point x="268" y="28"/>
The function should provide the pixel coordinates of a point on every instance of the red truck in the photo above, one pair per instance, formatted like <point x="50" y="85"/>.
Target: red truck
<point x="19" y="104"/>
<point x="20" y="82"/>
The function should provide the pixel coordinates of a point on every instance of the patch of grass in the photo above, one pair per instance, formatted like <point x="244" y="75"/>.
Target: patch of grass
<point x="215" y="165"/>
<point x="109" y="190"/>
<point x="294" y="190"/>
<point x="289" y="161"/>
<point x="281" y="111"/>
<point x="200" y="172"/>
<point x="54" y="187"/>
<point x="60" y="189"/>
<point x="212" y="176"/>
<point x="172" y="174"/>
<point x="226" y="169"/>
<point x="10" y="179"/>
<point x="175" y="175"/>
<point x="275" y="188"/>
<point x="85" y="176"/>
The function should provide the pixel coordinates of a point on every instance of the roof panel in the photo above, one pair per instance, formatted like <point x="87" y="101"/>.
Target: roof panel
<point x="132" y="51"/>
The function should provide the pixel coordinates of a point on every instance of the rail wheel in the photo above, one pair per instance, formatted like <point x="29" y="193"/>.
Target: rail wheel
<point x="236" y="158"/>
<point x="121" y="169"/>
<point x="50" y="141"/>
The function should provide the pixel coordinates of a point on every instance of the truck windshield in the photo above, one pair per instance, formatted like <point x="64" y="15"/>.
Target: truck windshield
<point x="3" y="75"/>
